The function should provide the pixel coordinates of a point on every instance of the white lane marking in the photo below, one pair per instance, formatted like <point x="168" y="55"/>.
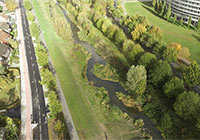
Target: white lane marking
<point x="40" y="128"/>
<point x="28" y="45"/>
<point x="39" y="120"/>
<point x="28" y="40"/>
<point x="30" y="52"/>
<point x="40" y="136"/>
<point x="32" y="66"/>
<point x="38" y="106"/>
<point x="36" y="90"/>
<point x="39" y="114"/>
<point x="31" y="58"/>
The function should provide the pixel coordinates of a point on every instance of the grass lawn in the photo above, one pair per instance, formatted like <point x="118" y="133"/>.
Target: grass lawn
<point x="172" y="33"/>
<point x="80" y="109"/>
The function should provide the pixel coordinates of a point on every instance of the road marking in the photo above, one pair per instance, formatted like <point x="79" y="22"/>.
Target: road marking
<point x="30" y="52"/>
<point x="28" y="45"/>
<point x="38" y="106"/>
<point x="39" y="114"/>
<point x="33" y="70"/>
<point x="28" y="40"/>
<point x="40" y="136"/>
<point x="40" y="128"/>
<point x="31" y="58"/>
<point x="36" y="90"/>
<point x="39" y="120"/>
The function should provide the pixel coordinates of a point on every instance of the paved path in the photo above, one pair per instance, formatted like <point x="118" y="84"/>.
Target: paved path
<point x="26" y="108"/>
<point x="65" y="109"/>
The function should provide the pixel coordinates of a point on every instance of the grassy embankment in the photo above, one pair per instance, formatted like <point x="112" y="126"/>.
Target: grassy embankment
<point x="85" y="105"/>
<point x="172" y="33"/>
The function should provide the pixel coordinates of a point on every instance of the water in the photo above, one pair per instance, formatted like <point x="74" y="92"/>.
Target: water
<point x="110" y="86"/>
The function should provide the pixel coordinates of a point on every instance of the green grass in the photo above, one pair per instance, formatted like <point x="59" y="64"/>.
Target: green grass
<point x="172" y="33"/>
<point x="59" y="49"/>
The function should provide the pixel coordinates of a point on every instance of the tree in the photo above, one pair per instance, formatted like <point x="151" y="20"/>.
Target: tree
<point x="198" y="24"/>
<point x="27" y="5"/>
<point x="187" y="105"/>
<point x="97" y="16"/>
<point x="166" y="122"/>
<point x="2" y="70"/>
<point x="174" y="19"/>
<point x="160" y="73"/>
<point x="100" y="22"/>
<point x="191" y="74"/>
<point x="106" y="24"/>
<point x="138" y="31"/>
<point x="168" y="14"/>
<point x="119" y="37"/>
<point x="60" y="129"/>
<point x="184" y="52"/>
<point x="181" y="21"/>
<point x="162" y="13"/>
<point x="135" y="53"/>
<point x="111" y="31"/>
<point x="170" y="54"/>
<point x="1" y="8"/>
<point x="128" y="46"/>
<point x="147" y="59"/>
<point x="54" y="104"/>
<point x="189" y="21"/>
<point x="156" y="32"/>
<point x="136" y="79"/>
<point x="11" y="129"/>
<point x="154" y="3"/>
<point x="42" y="55"/>
<point x="11" y="5"/>
<point x="173" y="87"/>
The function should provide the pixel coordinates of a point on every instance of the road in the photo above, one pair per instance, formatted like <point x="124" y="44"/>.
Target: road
<point x="40" y="132"/>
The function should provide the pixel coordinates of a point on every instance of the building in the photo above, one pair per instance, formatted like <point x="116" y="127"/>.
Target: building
<point x="5" y="26"/>
<point x="4" y="37"/>
<point x="4" y="53"/>
<point x="186" y="9"/>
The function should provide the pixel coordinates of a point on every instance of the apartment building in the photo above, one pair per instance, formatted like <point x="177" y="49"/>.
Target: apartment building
<point x="185" y="9"/>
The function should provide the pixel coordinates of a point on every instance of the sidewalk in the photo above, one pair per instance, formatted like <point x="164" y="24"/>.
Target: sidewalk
<point x="26" y="102"/>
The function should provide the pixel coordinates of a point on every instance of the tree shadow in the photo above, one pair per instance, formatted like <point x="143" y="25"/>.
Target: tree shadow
<point x="196" y="37"/>
<point x="149" y="4"/>
<point x="11" y="94"/>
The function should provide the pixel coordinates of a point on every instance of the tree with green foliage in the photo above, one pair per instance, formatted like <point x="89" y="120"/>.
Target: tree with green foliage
<point x="187" y="105"/>
<point x="135" y="53"/>
<point x="11" y="130"/>
<point x="166" y="122"/>
<point x="27" y="5"/>
<point x="191" y="74"/>
<point x="60" y="129"/>
<point x="162" y="13"/>
<point x="48" y="79"/>
<point x="105" y="25"/>
<point x="111" y="31"/>
<point x="35" y="30"/>
<point x="160" y="73"/>
<point x="138" y="31"/>
<point x="198" y="24"/>
<point x="100" y="22"/>
<point x="173" y="87"/>
<point x="42" y="55"/>
<point x="2" y="70"/>
<point x="158" y="50"/>
<point x="174" y="19"/>
<point x="137" y="79"/>
<point x="168" y="14"/>
<point x="181" y="21"/>
<point x="97" y="15"/>
<point x="156" y="32"/>
<point x="189" y="21"/>
<point x="55" y="106"/>
<point x="147" y="59"/>
<point x="154" y="3"/>
<point x="11" y="5"/>
<point x="119" y="37"/>
<point x="1" y="8"/>
<point x="170" y="54"/>
<point x="197" y="123"/>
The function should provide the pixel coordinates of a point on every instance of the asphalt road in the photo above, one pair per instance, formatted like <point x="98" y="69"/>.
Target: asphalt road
<point x="40" y="132"/>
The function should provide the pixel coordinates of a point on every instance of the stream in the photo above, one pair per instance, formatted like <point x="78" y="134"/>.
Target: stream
<point x="110" y="86"/>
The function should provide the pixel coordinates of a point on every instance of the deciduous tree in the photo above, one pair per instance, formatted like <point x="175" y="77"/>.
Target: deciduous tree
<point x="136" y="79"/>
<point x="138" y="31"/>
<point x="147" y="59"/>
